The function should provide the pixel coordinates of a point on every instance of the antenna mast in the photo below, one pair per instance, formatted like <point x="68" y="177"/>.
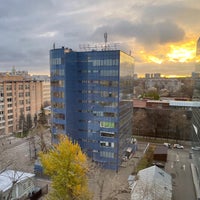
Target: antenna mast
<point x="105" y="39"/>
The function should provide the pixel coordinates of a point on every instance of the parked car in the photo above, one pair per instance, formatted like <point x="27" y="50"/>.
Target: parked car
<point x="128" y="154"/>
<point x="159" y="164"/>
<point x="196" y="148"/>
<point x="167" y="145"/>
<point x="178" y="146"/>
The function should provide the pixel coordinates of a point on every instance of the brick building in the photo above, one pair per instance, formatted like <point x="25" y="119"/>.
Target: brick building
<point x="17" y="95"/>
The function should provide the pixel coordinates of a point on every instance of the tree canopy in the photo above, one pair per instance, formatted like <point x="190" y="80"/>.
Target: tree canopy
<point x="66" y="164"/>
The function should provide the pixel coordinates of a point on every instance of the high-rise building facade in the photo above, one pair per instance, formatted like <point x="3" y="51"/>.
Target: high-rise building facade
<point x="91" y="97"/>
<point x="198" y="56"/>
<point x="195" y="129"/>
<point x="196" y="74"/>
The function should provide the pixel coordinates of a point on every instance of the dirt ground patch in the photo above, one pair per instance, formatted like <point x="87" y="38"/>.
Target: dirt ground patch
<point x="109" y="185"/>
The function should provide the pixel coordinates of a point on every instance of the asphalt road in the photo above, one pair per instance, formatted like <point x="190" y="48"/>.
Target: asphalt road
<point x="178" y="165"/>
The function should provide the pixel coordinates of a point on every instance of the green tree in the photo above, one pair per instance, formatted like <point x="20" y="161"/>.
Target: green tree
<point x="35" y="119"/>
<point x="21" y="121"/>
<point x="29" y="121"/>
<point x="42" y="117"/>
<point x="66" y="164"/>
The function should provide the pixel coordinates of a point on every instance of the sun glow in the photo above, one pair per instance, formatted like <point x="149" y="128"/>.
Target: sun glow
<point x="182" y="53"/>
<point x="175" y="76"/>
<point x="155" y="59"/>
<point x="177" y="53"/>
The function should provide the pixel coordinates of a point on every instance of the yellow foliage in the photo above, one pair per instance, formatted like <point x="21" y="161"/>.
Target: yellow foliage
<point x="67" y="166"/>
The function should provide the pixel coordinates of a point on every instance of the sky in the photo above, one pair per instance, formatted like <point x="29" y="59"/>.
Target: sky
<point x="160" y="34"/>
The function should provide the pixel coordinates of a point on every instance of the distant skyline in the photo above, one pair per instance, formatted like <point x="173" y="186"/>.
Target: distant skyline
<point x="161" y="35"/>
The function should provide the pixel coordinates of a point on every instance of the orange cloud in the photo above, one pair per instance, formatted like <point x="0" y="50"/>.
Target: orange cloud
<point x="185" y="52"/>
<point x="177" y="53"/>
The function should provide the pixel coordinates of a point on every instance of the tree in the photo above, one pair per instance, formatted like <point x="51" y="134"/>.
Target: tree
<point x="180" y="124"/>
<point x="29" y="121"/>
<point x="35" y="119"/>
<point x="66" y="164"/>
<point x="140" y="122"/>
<point x="152" y="93"/>
<point x="21" y="121"/>
<point x="42" y="117"/>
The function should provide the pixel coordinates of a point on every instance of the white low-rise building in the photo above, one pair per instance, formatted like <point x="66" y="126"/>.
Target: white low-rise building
<point x="152" y="183"/>
<point x="16" y="184"/>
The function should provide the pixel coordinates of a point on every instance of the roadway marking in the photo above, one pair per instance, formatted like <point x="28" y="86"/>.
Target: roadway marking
<point x="177" y="157"/>
<point x="172" y="165"/>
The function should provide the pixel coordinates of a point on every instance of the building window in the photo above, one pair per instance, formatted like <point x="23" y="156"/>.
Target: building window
<point x="10" y="116"/>
<point x="21" y="94"/>
<point x="60" y="126"/>
<point x="107" y="124"/>
<point x="9" y="99"/>
<point x="106" y="154"/>
<point x="57" y="83"/>
<point x="27" y="86"/>
<point x="58" y="105"/>
<point x="1" y="107"/>
<point x="28" y="108"/>
<point x="8" y="87"/>
<point x="9" y="94"/>
<point x="21" y="102"/>
<point x="59" y="116"/>
<point x="58" y="94"/>
<point x="28" y="101"/>
<point x="27" y="94"/>
<point x="107" y="134"/>
<point x="9" y="105"/>
<point x="21" y="87"/>
<point x="106" y="144"/>
<point x="109" y="72"/>
<point x="55" y="61"/>
<point x="2" y="118"/>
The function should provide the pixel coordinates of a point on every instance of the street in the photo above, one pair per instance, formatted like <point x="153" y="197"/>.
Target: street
<point x="178" y="165"/>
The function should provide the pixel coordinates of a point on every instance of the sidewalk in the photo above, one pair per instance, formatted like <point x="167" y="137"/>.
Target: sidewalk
<point x="195" y="180"/>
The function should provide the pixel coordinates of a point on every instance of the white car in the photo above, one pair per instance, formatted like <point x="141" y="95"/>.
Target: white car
<point x="178" y="146"/>
<point x="167" y="145"/>
<point x="196" y="148"/>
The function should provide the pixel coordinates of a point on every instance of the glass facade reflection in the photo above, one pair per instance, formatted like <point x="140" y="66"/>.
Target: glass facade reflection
<point x="196" y="114"/>
<point x="92" y="101"/>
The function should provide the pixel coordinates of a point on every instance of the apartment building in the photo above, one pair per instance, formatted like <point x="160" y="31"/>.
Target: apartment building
<point x="17" y="95"/>
<point x="46" y="89"/>
<point x="92" y="101"/>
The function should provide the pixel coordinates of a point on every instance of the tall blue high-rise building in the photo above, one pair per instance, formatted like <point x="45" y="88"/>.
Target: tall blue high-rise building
<point x="91" y="100"/>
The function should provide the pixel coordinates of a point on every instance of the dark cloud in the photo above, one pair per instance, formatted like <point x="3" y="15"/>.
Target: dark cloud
<point x="147" y="34"/>
<point x="29" y="28"/>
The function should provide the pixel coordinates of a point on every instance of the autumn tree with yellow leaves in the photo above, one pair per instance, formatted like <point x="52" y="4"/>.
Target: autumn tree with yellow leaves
<point x="67" y="166"/>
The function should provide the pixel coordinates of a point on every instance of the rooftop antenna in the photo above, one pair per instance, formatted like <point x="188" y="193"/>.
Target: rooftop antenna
<point x="105" y="38"/>
<point x="54" y="46"/>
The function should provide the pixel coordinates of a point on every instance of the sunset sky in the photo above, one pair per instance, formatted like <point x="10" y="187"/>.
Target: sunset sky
<point x="160" y="34"/>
